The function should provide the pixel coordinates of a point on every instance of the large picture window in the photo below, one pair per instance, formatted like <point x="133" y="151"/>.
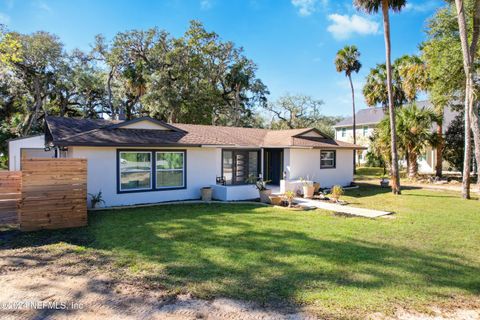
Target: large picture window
<point x="151" y="170"/>
<point x="239" y="165"/>
<point x="135" y="171"/>
<point x="327" y="159"/>
<point x="170" y="167"/>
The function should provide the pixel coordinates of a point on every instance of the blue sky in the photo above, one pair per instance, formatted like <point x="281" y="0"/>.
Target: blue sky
<point x="294" y="42"/>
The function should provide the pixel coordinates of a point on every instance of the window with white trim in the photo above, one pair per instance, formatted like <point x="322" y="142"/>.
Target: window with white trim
<point x="135" y="170"/>
<point x="344" y="132"/>
<point x="170" y="168"/>
<point x="327" y="159"/>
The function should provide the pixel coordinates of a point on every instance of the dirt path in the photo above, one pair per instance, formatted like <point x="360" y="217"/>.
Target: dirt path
<point x="83" y="286"/>
<point x="59" y="282"/>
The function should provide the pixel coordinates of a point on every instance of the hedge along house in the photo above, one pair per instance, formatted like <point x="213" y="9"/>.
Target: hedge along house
<point x="146" y="161"/>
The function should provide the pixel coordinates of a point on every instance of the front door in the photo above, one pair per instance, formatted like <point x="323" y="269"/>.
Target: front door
<point x="273" y="165"/>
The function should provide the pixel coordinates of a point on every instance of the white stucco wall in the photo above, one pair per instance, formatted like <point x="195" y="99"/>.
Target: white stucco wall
<point x="234" y="193"/>
<point x="203" y="165"/>
<point x="305" y="163"/>
<point x="33" y="147"/>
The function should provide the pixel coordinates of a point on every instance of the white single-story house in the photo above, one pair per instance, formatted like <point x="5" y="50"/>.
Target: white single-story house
<point x="146" y="161"/>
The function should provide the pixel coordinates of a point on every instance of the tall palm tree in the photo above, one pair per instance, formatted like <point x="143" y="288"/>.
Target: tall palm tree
<point x="373" y="6"/>
<point x="347" y="61"/>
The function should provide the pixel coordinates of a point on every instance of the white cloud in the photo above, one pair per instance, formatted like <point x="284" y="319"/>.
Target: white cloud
<point x="206" y="4"/>
<point x="43" y="6"/>
<point x="344" y="26"/>
<point x="4" y="19"/>
<point x="307" y="7"/>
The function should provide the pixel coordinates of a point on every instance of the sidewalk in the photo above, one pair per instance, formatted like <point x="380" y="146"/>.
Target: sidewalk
<point x="361" y="212"/>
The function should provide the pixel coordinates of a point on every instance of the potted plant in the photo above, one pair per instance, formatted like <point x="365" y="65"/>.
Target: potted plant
<point x="289" y="195"/>
<point x="308" y="188"/>
<point x="206" y="193"/>
<point x="337" y="192"/>
<point x="316" y="187"/>
<point x="263" y="191"/>
<point x="261" y="185"/>
<point x="96" y="199"/>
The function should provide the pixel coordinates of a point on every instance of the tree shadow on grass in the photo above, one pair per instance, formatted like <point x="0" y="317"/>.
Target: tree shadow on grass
<point x="241" y="252"/>
<point x="369" y="190"/>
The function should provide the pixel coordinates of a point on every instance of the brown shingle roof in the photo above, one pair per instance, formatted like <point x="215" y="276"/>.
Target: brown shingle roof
<point x="84" y="132"/>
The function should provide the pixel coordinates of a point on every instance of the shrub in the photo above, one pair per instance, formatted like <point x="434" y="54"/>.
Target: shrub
<point x="96" y="199"/>
<point x="373" y="160"/>
<point x="337" y="192"/>
<point x="289" y="195"/>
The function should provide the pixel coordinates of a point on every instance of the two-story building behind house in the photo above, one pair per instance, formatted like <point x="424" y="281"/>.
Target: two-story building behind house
<point x="366" y="121"/>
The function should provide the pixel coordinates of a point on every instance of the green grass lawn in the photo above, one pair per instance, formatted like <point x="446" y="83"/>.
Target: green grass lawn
<point x="429" y="252"/>
<point x="369" y="173"/>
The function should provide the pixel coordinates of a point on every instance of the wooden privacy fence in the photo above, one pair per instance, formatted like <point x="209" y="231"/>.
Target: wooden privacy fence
<point x="10" y="184"/>
<point x="53" y="194"/>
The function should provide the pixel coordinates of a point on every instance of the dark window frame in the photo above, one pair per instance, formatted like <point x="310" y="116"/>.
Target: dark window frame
<point x="153" y="170"/>
<point x="259" y="164"/>
<point x="334" y="159"/>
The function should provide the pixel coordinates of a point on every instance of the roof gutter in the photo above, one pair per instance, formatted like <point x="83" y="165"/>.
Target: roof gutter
<point x="356" y="124"/>
<point x="129" y="145"/>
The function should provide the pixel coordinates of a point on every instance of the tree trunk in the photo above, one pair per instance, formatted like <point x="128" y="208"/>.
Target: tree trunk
<point x="36" y="108"/>
<point x="354" y="123"/>
<point x="439" y="150"/>
<point x="476" y="137"/>
<point x="109" y="91"/>
<point x="474" y="104"/>
<point x="395" y="172"/>
<point x="467" y="66"/>
<point x="412" y="165"/>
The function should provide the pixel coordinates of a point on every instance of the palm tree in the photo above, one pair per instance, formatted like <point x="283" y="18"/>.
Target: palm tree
<point x="375" y="88"/>
<point x="373" y="6"/>
<point x="380" y="142"/>
<point x="414" y="133"/>
<point x="347" y="61"/>
<point x="414" y="75"/>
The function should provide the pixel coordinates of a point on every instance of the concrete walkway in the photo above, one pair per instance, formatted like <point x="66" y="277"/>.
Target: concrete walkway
<point x="368" y="213"/>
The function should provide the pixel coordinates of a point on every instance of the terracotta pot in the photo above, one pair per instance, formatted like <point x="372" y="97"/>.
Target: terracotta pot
<point x="308" y="191"/>
<point x="275" y="200"/>
<point x="206" y="194"/>
<point x="264" y="195"/>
